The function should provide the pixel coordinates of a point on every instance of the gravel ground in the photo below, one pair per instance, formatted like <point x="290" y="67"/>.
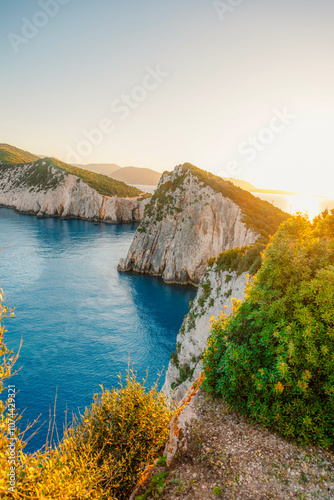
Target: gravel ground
<point x="221" y="455"/>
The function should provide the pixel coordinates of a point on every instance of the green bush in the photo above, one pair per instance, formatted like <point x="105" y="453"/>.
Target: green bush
<point x="273" y="358"/>
<point x="174" y="359"/>
<point x="185" y="373"/>
<point x="240" y="260"/>
<point x="156" y="487"/>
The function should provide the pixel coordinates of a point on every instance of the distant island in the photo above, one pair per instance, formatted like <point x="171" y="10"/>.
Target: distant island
<point x="99" y="168"/>
<point x="129" y="175"/>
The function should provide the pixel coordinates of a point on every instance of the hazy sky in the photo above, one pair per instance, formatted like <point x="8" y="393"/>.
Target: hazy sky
<point x="240" y="88"/>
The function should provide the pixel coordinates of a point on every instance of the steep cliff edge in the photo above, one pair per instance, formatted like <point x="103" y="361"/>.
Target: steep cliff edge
<point x="224" y="280"/>
<point x="194" y="215"/>
<point x="49" y="188"/>
<point x="194" y="219"/>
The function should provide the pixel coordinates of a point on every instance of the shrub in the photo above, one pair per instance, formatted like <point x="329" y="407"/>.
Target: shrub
<point x="100" y="457"/>
<point x="124" y="429"/>
<point x="217" y="490"/>
<point x="156" y="487"/>
<point x="174" y="359"/>
<point x="240" y="260"/>
<point x="185" y="373"/>
<point x="273" y="358"/>
<point x="211" y="261"/>
<point x="201" y="300"/>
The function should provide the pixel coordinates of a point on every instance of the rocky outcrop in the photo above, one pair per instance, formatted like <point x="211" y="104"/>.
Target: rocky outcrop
<point x="184" y="414"/>
<point x="69" y="197"/>
<point x="215" y="293"/>
<point x="186" y="222"/>
<point x="221" y="454"/>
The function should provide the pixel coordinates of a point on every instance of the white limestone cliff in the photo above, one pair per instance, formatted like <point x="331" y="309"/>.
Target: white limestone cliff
<point x="185" y="223"/>
<point x="215" y="293"/>
<point x="71" y="197"/>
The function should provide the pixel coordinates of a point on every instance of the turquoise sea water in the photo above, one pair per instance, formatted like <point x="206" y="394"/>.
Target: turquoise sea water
<point x="79" y="319"/>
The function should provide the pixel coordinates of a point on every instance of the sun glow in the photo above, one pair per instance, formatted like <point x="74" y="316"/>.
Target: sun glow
<point x="313" y="205"/>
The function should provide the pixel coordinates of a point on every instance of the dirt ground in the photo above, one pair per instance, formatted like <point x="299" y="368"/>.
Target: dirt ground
<point x="221" y="455"/>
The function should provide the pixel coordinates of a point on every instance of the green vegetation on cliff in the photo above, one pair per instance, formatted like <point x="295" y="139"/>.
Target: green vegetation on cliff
<point x="10" y="154"/>
<point x="241" y="260"/>
<point x="37" y="176"/>
<point x="259" y="215"/>
<point x="101" y="183"/>
<point x="47" y="173"/>
<point x="273" y="358"/>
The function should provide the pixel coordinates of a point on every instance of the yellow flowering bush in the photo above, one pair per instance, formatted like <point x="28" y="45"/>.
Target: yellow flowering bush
<point x="100" y="456"/>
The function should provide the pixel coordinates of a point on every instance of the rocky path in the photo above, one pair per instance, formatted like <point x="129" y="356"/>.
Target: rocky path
<point x="221" y="455"/>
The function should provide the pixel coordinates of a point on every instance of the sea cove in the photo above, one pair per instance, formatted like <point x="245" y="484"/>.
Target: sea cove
<point x="79" y="319"/>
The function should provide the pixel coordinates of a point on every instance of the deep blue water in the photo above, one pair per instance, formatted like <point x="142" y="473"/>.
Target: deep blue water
<point x="80" y="320"/>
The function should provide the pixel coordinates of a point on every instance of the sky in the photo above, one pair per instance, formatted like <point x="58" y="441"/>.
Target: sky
<point x="243" y="89"/>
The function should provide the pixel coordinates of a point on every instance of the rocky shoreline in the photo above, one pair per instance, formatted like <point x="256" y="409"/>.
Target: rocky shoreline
<point x="67" y="217"/>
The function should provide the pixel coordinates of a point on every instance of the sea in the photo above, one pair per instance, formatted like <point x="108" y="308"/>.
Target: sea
<point x="79" y="321"/>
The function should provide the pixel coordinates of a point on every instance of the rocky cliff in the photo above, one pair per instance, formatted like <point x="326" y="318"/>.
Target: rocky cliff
<point x="194" y="219"/>
<point x="187" y="221"/>
<point x="214" y="296"/>
<point x="224" y="281"/>
<point x="43" y="189"/>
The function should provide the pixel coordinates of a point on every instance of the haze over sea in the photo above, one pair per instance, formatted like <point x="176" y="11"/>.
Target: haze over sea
<point x="79" y="318"/>
<point x="313" y="205"/>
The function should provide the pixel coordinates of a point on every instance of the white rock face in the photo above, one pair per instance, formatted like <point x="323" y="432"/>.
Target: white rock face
<point x="71" y="198"/>
<point x="181" y="231"/>
<point x="215" y="291"/>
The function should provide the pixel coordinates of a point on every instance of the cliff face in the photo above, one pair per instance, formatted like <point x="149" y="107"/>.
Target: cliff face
<point x="215" y="293"/>
<point x="194" y="216"/>
<point x="65" y="196"/>
<point x="185" y="223"/>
